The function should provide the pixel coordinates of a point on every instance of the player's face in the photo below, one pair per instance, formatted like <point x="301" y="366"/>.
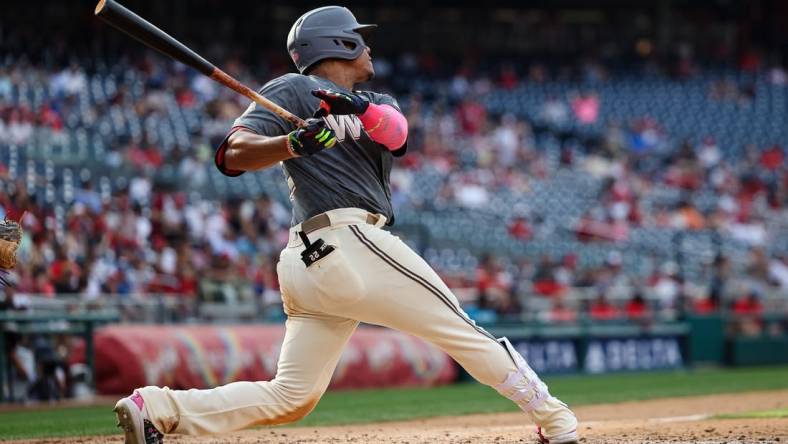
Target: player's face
<point x="364" y="65"/>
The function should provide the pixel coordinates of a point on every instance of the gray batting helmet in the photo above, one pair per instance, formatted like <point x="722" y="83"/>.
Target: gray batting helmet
<point x="323" y="33"/>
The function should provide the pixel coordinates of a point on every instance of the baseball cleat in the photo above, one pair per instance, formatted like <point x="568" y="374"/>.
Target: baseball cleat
<point x="557" y="424"/>
<point x="136" y="428"/>
<point x="566" y="438"/>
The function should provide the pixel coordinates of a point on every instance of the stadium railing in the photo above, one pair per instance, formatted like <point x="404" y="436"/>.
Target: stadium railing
<point x="169" y="308"/>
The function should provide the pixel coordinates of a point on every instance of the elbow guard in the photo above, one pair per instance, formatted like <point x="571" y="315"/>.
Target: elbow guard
<point x="385" y="125"/>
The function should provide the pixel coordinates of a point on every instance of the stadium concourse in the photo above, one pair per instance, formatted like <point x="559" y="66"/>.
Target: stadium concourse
<point x="639" y="194"/>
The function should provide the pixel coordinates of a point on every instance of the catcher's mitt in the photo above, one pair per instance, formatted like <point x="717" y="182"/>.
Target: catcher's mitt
<point x="10" y="237"/>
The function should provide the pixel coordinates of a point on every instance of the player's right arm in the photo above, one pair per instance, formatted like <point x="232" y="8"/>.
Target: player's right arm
<point x="247" y="151"/>
<point x="259" y="138"/>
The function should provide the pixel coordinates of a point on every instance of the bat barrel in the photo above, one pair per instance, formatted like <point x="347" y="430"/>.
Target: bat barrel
<point x="130" y="23"/>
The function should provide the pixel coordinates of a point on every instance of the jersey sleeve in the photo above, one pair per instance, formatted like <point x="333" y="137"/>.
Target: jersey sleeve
<point x="385" y="99"/>
<point x="259" y="120"/>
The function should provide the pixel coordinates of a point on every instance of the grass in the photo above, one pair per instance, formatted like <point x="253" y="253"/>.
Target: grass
<point x="779" y="413"/>
<point x="350" y="407"/>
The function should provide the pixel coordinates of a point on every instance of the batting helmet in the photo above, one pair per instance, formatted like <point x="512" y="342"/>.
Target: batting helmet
<point x="323" y="33"/>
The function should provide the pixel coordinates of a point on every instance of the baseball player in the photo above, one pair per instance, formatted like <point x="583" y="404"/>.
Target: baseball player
<point x="340" y="266"/>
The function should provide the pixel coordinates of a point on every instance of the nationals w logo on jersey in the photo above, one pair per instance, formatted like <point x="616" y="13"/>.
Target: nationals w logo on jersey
<point x="344" y="125"/>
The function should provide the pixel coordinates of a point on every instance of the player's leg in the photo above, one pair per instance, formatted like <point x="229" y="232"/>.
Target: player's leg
<point x="310" y="351"/>
<point x="406" y="294"/>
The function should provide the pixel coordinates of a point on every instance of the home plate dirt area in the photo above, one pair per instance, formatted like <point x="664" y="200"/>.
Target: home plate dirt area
<point x="671" y="420"/>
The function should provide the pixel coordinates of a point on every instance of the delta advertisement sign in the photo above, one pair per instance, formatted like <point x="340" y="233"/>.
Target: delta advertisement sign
<point x="601" y="355"/>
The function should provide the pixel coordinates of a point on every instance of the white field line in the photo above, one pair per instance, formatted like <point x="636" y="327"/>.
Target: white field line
<point x="664" y="419"/>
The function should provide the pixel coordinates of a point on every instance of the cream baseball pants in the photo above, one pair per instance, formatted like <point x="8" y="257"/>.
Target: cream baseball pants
<point x="371" y="277"/>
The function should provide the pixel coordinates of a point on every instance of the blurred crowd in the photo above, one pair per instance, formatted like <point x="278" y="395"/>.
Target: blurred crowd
<point x="746" y="191"/>
<point x="124" y="247"/>
<point x="563" y="292"/>
<point x="144" y="238"/>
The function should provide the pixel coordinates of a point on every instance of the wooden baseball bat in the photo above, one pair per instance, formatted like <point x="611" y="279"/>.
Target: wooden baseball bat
<point x="121" y="18"/>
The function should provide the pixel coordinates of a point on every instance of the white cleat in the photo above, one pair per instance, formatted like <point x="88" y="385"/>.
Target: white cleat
<point x="136" y="429"/>
<point x="558" y="424"/>
<point x="566" y="438"/>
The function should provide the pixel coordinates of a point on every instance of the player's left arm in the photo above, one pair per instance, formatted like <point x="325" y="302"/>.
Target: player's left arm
<point x="383" y="121"/>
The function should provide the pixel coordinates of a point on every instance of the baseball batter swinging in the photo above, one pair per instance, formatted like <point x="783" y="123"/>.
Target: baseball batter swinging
<point x="340" y="267"/>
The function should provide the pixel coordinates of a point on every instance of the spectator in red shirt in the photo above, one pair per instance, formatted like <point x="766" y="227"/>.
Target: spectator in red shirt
<point x="472" y="116"/>
<point x="50" y="118"/>
<point x="704" y="306"/>
<point x="748" y="306"/>
<point x="42" y="284"/>
<point x="637" y="308"/>
<point x="185" y="98"/>
<point x="602" y="310"/>
<point x="508" y="77"/>
<point x="773" y="158"/>
<point x="520" y="229"/>
<point x="188" y="281"/>
<point x="65" y="273"/>
<point x="490" y="279"/>
<point x="144" y="155"/>
<point x="750" y="60"/>
<point x="545" y="282"/>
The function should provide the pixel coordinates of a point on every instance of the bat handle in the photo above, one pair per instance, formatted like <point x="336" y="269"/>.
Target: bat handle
<point x="225" y="79"/>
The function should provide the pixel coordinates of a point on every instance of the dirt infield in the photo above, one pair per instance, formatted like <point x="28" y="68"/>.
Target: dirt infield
<point x="673" y="420"/>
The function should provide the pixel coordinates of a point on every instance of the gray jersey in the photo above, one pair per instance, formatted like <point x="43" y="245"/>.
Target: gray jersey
<point x="352" y="174"/>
